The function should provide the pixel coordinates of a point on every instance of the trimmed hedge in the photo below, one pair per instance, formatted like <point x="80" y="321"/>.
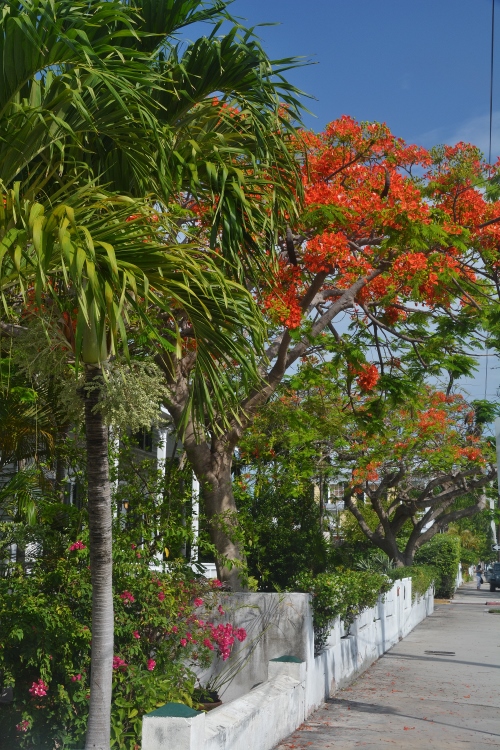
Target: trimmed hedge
<point x="443" y="553"/>
<point x="422" y="577"/>
<point x="342" y="595"/>
<point x="347" y="594"/>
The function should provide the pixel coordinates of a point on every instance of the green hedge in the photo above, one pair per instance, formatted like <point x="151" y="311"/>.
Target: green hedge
<point x="342" y="595"/>
<point x="422" y="576"/>
<point x="347" y="594"/>
<point x="443" y="553"/>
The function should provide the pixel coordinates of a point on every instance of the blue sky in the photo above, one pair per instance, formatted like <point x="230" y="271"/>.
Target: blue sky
<point x="421" y="66"/>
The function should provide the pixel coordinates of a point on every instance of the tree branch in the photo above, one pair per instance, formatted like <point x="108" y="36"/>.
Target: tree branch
<point x="398" y="335"/>
<point x="12" y="330"/>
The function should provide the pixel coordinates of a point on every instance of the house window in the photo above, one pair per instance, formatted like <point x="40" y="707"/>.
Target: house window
<point x="336" y="492"/>
<point x="144" y="440"/>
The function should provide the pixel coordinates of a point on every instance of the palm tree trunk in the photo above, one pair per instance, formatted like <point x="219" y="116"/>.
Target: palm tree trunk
<point x="101" y="566"/>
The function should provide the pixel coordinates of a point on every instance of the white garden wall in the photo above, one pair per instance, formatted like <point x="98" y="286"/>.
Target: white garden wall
<point x="269" y="699"/>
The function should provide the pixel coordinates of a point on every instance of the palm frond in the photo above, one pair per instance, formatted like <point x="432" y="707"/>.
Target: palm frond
<point x="92" y="252"/>
<point x="20" y="496"/>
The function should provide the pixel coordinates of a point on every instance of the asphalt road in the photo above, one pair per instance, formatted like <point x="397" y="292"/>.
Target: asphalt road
<point x="412" y="699"/>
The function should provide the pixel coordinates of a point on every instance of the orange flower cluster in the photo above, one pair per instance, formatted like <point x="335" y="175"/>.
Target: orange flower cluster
<point x="363" y="210"/>
<point x="431" y="419"/>
<point x="328" y="250"/>
<point x="366" y="473"/>
<point x="367" y="377"/>
<point x="283" y="302"/>
<point x="471" y="454"/>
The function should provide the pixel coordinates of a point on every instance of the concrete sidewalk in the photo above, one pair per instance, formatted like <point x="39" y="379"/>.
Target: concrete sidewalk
<point x="412" y="699"/>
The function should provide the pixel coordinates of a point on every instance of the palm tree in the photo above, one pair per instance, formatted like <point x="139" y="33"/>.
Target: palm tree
<point x="98" y="93"/>
<point x="104" y="91"/>
<point x="108" y="281"/>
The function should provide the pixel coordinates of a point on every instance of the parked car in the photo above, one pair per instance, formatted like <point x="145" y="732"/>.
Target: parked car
<point x="494" y="576"/>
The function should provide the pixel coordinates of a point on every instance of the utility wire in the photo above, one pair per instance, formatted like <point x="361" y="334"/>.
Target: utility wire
<point x="491" y="71"/>
<point x="492" y="60"/>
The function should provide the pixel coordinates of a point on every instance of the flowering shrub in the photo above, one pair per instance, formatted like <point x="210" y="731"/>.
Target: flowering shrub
<point x="224" y="636"/>
<point x="38" y="688"/>
<point x="76" y="545"/>
<point x="45" y="631"/>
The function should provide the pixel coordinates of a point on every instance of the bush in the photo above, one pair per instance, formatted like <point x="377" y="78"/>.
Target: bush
<point x="443" y="553"/>
<point x="284" y="537"/>
<point x="342" y="595"/>
<point x="45" y="621"/>
<point x="422" y="576"/>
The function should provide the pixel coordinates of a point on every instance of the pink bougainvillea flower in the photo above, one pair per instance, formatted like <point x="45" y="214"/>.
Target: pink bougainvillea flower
<point x="198" y="602"/>
<point x="183" y="642"/>
<point x="127" y="596"/>
<point x="175" y="629"/>
<point x="151" y="665"/>
<point x="76" y="678"/>
<point x="224" y="636"/>
<point x="208" y="643"/>
<point x="215" y="583"/>
<point x="240" y="634"/>
<point x="221" y="611"/>
<point x="136" y="634"/>
<point x="161" y="596"/>
<point x="134" y="546"/>
<point x="76" y="545"/>
<point x="23" y="726"/>
<point x="38" y="689"/>
<point x="118" y="662"/>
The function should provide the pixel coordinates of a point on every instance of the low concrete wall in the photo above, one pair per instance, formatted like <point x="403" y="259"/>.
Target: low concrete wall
<point x="276" y="624"/>
<point x="270" y="697"/>
<point x="373" y="633"/>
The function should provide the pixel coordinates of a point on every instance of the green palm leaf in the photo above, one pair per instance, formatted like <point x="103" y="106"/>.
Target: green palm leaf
<point x="107" y="263"/>
<point x="77" y="101"/>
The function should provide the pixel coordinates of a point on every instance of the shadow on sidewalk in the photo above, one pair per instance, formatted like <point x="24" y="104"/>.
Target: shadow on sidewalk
<point x="375" y="708"/>
<point x="434" y="659"/>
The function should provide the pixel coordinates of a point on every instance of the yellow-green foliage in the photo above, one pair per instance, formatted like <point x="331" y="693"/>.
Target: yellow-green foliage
<point x="342" y="595"/>
<point x="422" y="577"/>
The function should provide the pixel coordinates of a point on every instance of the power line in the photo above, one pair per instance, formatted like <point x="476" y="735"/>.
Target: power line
<point x="492" y="60"/>
<point x="491" y="71"/>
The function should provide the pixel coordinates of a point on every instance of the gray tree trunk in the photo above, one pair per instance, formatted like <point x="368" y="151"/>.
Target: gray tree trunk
<point x="101" y="567"/>
<point x="223" y="523"/>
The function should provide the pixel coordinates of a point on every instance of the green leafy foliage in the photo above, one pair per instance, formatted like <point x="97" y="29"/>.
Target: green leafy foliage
<point x="475" y="533"/>
<point x="45" y="630"/>
<point x="283" y="534"/>
<point x="442" y="553"/>
<point x="422" y="577"/>
<point x="342" y="595"/>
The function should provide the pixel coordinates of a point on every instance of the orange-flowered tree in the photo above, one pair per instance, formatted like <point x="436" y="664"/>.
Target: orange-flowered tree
<point x="407" y="470"/>
<point x="386" y="237"/>
<point x="406" y="479"/>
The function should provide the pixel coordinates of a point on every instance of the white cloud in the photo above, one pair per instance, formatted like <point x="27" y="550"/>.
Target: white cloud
<point x="475" y="130"/>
